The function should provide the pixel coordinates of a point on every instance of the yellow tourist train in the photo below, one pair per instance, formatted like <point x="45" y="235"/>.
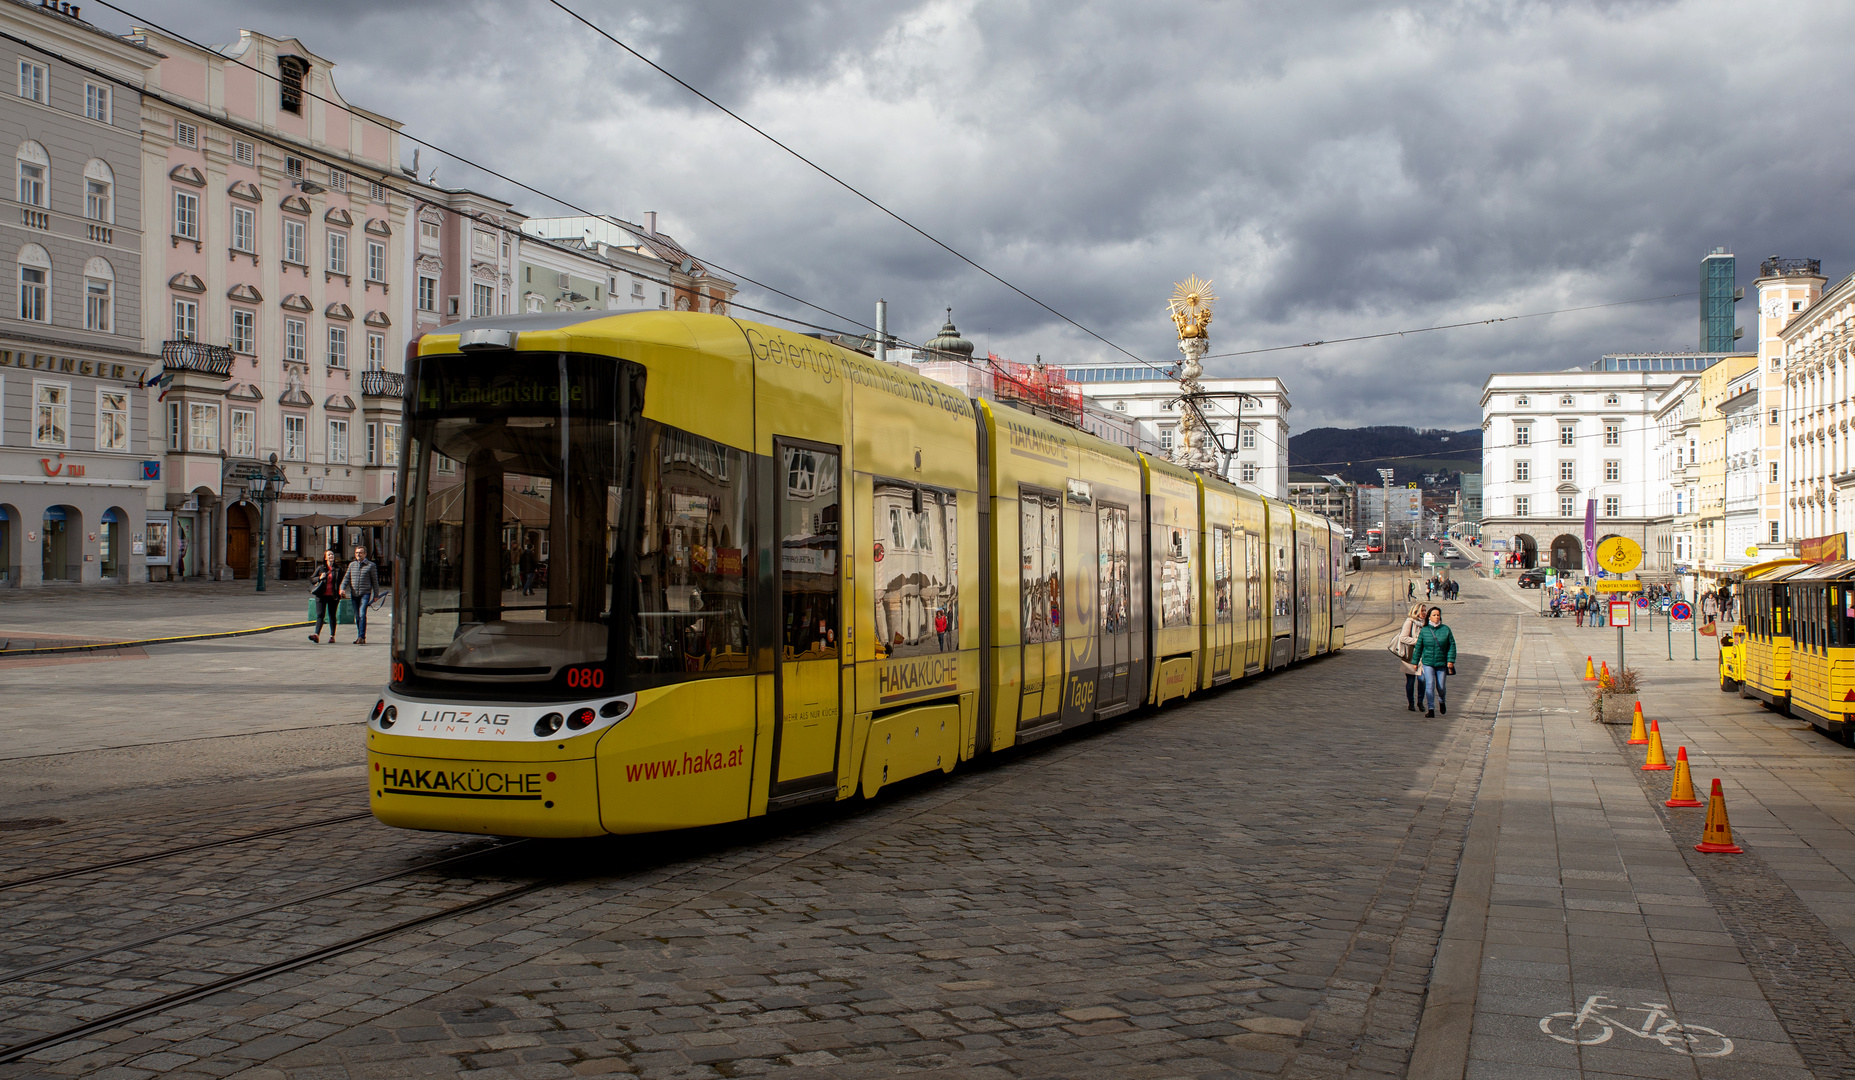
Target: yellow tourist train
<point x="1764" y="634"/>
<point x="667" y="569"/>
<point x="1794" y="647"/>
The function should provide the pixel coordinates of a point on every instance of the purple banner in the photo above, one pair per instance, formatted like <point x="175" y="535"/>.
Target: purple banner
<point x="1590" y="537"/>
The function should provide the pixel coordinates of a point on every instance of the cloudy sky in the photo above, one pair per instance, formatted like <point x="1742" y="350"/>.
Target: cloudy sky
<point x="1337" y="168"/>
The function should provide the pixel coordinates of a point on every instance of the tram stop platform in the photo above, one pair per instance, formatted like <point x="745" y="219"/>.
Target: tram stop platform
<point x="1581" y="897"/>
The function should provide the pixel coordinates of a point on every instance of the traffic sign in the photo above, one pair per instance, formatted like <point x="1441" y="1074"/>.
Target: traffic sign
<point x="1619" y="553"/>
<point x="1663" y="603"/>
<point x="1680" y="610"/>
<point x="1642" y="602"/>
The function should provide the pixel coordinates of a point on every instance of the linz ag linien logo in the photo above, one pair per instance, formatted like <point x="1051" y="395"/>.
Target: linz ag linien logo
<point x="463" y="721"/>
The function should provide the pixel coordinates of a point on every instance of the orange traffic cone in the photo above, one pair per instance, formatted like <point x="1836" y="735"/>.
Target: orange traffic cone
<point x="1683" y="795"/>
<point x="1603" y="672"/>
<point x="1657" y="761"/>
<point x="1717" y="837"/>
<point x="1590" y="673"/>
<point x="1638" y="737"/>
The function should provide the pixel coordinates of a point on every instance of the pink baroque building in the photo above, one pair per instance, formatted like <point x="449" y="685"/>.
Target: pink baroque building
<point x="276" y="254"/>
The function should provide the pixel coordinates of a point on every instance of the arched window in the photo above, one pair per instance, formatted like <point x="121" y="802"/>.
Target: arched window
<point x="99" y="289"/>
<point x="35" y="282"/>
<point x="35" y="175"/>
<point x="99" y="191"/>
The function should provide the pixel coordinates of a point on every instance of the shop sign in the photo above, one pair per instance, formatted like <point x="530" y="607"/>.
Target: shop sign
<point x="1829" y="548"/>
<point x="71" y="365"/>
<point x="151" y="470"/>
<point x="318" y="496"/>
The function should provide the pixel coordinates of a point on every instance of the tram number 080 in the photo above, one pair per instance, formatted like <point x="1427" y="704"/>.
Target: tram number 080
<point x="580" y="678"/>
<point x="399" y="671"/>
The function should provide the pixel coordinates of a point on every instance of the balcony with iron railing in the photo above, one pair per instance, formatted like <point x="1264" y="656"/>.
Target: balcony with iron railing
<point x="383" y="384"/>
<point x="196" y="356"/>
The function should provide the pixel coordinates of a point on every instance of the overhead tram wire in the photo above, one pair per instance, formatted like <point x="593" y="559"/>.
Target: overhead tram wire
<point x="227" y="122"/>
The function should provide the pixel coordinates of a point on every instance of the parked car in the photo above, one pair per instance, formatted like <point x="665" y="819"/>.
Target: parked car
<point x="1533" y="579"/>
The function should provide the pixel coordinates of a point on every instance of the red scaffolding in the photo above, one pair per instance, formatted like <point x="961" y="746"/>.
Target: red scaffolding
<point x="1045" y="385"/>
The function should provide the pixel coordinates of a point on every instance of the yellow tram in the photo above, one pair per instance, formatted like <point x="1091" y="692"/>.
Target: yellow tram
<point x="1765" y="608"/>
<point x="1822" y="690"/>
<point x="667" y="569"/>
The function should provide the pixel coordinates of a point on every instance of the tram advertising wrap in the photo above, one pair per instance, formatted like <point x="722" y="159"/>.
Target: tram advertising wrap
<point x="666" y="569"/>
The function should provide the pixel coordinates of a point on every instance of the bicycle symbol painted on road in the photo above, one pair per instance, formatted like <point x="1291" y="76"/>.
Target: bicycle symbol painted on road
<point x="1592" y="1025"/>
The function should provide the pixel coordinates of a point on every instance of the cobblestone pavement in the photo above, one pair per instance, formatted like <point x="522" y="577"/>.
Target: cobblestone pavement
<point x="1582" y="887"/>
<point x="164" y="693"/>
<point x="1252" y="883"/>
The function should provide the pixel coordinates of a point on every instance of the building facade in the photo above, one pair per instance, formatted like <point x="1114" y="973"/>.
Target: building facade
<point x="1719" y="293"/>
<point x="1252" y="430"/>
<point x="74" y="422"/>
<point x="277" y="240"/>
<point x="1786" y="287"/>
<point x="1330" y="496"/>
<point x="1818" y="472"/>
<point x="1744" y="436"/>
<point x="1551" y="440"/>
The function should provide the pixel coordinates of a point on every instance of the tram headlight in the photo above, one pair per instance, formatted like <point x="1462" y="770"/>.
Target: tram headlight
<point x="617" y="708"/>
<point x="548" y="725"/>
<point x="581" y="718"/>
<point x="387" y="717"/>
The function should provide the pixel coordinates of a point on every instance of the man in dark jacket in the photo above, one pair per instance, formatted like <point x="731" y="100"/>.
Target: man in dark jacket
<point x="360" y="584"/>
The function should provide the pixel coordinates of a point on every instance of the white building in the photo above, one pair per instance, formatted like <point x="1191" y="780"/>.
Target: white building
<point x="1553" y="439"/>
<point x="1786" y="287"/>
<point x="1818" y="473"/>
<point x="1252" y="429"/>
<point x="1670" y="543"/>
<point x="1745" y="468"/>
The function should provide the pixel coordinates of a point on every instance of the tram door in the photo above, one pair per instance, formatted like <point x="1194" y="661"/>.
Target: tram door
<point x="810" y="578"/>
<point x="1040" y="587"/>
<point x="1255" y="633"/>
<point x="1117" y="638"/>
<point x="1223" y="618"/>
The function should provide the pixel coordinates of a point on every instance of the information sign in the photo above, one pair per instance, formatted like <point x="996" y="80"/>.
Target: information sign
<point x="1680" y="610"/>
<point x="1617" y="585"/>
<point x="1619" y="614"/>
<point x="1619" y="553"/>
<point x="1663" y="603"/>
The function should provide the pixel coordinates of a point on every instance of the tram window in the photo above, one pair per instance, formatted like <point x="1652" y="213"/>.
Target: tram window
<point x="1114" y="568"/>
<point x="1220" y="573"/>
<point x="1175" y="577"/>
<point x="1281" y="583"/>
<point x="693" y="551"/>
<point x="1040" y="581"/>
<point x="512" y="508"/>
<point x="1252" y="576"/>
<point x="916" y="593"/>
<point x="808" y="552"/>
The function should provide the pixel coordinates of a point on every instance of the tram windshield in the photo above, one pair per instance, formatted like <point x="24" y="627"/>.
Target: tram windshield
<point x="510" y="532"/>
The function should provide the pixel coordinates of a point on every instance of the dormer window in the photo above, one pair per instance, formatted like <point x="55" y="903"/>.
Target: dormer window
<point x="1522" y="402"/>
<point x="1566" y="401"/>
<point x="1610" y="399"/>
<point x="291" y="69"/>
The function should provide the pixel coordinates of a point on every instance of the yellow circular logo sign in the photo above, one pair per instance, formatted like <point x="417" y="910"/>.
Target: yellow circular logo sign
<point x="1751" y="553"/>
<point x="1619" y="554"/>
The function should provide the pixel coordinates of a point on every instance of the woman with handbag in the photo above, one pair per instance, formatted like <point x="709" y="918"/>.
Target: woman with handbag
<point x="1403" y="645"/>
<point x="325" y="593"/>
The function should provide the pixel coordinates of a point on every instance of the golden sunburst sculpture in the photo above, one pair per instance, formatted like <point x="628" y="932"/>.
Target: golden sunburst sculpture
<point x="1191" y="307"/>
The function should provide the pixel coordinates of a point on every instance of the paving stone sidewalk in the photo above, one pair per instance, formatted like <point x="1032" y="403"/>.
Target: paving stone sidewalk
<point x="1582" y="892"/>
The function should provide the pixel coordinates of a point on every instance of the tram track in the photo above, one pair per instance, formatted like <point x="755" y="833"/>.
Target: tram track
<point x="50" y="843"/>
<point x="167" y="853"/>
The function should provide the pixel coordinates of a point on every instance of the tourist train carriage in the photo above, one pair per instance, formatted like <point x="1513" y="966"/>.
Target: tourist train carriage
<point x="1822" y="656"/>
<point x="1765" y="608"/>
<point x="668" y="569"/>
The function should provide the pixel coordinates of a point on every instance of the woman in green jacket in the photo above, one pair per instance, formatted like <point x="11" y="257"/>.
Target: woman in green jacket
<point x="1435" y="657"/>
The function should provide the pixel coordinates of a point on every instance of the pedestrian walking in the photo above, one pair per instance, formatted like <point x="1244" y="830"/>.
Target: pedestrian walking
<point x="526" y="565"/>
<point x="360" y="584"/>
<point x="1435" y="657"/>
<point x="325" y="591"/>
<point x="1410" y="590"/>
<point x="1404" y="646"/>
<point x="1578" y="610"/>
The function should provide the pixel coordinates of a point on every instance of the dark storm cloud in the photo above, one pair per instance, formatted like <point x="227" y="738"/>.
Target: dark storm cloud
<point x="1336" y="168"/>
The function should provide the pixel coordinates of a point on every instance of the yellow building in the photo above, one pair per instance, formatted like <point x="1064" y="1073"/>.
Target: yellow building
<point x="1709" y="469"/>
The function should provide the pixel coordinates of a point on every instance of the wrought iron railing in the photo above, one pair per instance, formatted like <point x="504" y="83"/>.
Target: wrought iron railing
<point x="196" y="356"/>
<point x="383" y="384"/>
<point x="1776" y="267"/>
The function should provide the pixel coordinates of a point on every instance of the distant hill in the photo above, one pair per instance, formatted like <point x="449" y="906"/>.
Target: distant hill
<point x="1358" y="453"/>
